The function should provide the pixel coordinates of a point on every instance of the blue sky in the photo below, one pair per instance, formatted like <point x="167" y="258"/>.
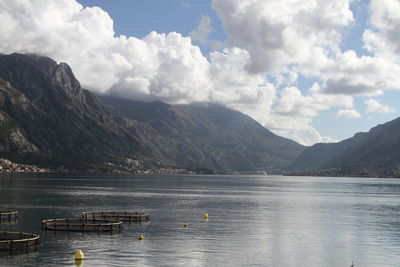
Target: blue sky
<point x="138" y="18"/>
<point x="312" y="71"/>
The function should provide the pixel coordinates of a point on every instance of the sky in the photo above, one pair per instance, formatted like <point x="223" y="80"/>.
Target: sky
<point x="310" y="70"/>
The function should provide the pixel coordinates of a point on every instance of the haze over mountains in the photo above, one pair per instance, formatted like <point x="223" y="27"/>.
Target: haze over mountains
<point x="46" y="118"/>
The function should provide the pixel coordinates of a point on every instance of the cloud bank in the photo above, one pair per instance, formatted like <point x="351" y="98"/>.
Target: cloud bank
<point x="270" y="45"/>
<point x="278" y="33"/>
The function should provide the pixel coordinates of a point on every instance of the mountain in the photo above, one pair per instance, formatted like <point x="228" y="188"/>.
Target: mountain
<point x="47" y="118"/>
<point x="375" y="152"/>
<point x="203" y="136"/>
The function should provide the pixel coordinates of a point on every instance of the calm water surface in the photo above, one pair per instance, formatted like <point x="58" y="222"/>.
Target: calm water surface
<point x="254" y="220"/>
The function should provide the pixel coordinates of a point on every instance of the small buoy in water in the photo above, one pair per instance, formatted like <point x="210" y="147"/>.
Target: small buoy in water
<point x="141" y="237"/>
<point x="205" y="215"/>
<point x="79" y="255"/>
<point x="186" y="225"/>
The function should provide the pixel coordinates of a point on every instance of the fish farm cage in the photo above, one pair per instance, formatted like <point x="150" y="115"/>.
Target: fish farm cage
<point x="18" y="240"/>
<point x="82" y="225"/>
<point x="9" y="215"/>
<point x="125" y="216"/>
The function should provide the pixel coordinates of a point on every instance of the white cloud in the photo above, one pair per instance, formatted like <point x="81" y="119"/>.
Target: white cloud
<point x="282" y="32"/>
<point x="165" y="67"/>
<point x="233" y="85"/>
<point x="202" y="30"/>
<point x="374" y="106"/>
<point x="347" y="114"/>
<point x="293" y="103"/>
<point x="294" y="112"/>
<point x="365" y="75"/>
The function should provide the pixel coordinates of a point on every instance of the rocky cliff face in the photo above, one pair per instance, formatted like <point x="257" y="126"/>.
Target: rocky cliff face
<point x="12" y="138"/>
<point x="47" y="117"/>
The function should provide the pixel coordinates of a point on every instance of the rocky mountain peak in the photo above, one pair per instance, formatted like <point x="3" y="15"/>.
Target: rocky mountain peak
<point x="64" y="77"/>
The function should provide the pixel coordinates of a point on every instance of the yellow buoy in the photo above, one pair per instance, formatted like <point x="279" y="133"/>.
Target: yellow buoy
<point x="186" y="225"/>
<point x="79" y="255"/>
<point x="205" y="215"/>
<point x="141" y="237"/>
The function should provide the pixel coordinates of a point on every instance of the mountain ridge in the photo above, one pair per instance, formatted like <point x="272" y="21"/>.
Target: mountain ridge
<point x="47" y="118"/>
<point x="375" y="152"/>
<point x="211" y="134"/>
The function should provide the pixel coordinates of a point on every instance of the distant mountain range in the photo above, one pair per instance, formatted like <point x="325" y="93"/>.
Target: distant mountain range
<point x="375" y="153"/>
<point x="46" y="118"/>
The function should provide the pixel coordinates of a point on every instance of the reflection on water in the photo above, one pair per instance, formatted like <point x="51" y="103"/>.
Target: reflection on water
<point x="20" y="254"/>
<point x="253" y="220"/>
<point x="8" y="222"/>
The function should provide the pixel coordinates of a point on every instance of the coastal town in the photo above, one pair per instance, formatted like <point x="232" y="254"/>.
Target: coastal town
<point x="9" y="166"/>
<point x="125" y="166"/>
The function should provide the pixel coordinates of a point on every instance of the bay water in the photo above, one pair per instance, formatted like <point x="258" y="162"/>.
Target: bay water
<point x="253" y="220"/>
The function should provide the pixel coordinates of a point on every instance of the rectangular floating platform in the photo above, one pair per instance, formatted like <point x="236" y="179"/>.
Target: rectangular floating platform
<point x="9" y="215"/>
<point x="18" y="240"/>
<point x="125" y="216"/>
<point x="82" y="225"/>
